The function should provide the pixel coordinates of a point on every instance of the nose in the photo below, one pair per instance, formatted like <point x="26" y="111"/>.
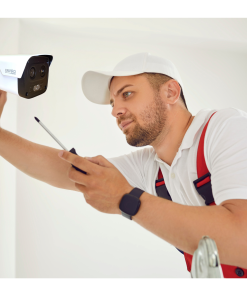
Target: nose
<point x="118" y="109"/>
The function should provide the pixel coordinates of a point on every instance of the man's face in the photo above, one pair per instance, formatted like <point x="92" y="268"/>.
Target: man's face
<point x="139" y="111"/>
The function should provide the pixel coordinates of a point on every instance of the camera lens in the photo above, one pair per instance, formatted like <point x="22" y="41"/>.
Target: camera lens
<point x="42" y="71"/>
<point x="32" y="72"/>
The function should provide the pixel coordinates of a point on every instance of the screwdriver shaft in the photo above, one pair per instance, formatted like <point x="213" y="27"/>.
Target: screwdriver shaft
<point x="51" y="134"/>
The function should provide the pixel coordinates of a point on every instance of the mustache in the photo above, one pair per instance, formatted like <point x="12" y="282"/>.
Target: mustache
<point x="122" y="118"/>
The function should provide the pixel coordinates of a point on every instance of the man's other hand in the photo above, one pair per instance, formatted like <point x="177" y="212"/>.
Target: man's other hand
<point x="103" y="186"/>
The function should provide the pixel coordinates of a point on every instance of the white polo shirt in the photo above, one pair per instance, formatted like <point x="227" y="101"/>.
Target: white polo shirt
<point x="225" y="150"/>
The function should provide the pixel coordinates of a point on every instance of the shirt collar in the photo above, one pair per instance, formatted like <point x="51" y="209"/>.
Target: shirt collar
<point x="192" y="131"/>
<point x="194" y="128"/>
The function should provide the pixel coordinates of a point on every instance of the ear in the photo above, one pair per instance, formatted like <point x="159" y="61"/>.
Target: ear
<point x="171" y="90"/>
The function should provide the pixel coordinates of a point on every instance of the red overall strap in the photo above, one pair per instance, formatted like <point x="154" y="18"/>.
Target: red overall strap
<point x="160" y="187"/>
<point x="201" y="166"/>
<point x="201" y="171"/>
<point x="228" y="270"/>
<point x="160" y="176"/>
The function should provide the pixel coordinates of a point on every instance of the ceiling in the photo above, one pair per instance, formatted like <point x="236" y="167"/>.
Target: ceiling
<point x="234" y="30"/>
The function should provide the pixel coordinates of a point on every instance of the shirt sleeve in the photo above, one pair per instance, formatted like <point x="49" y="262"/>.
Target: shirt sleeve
<point x="132" y="166"/>
<point x="225" y="150"/>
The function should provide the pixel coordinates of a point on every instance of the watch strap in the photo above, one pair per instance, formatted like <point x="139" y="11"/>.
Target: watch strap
<point x="126" y="215"/>
<point x="136" y="192"/>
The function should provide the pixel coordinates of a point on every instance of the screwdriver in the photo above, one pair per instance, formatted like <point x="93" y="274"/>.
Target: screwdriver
<point x="72" y="150"/>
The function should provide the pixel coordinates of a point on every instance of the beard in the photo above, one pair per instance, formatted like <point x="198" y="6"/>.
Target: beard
<point x="154" y="118"/>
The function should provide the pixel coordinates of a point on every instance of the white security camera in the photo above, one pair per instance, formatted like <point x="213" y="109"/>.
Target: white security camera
<point x="25" y="75"/>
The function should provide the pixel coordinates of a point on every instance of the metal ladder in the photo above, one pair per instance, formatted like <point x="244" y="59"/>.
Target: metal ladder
<point x="206" y="262"/>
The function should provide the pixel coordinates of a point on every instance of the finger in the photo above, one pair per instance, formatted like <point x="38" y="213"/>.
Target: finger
<point x="82" y="188"/>
<point x="2" y="92"/>
<point x="77" y="177"/>
<point x="100" y="160"/>
<point x="84" y="191"/>
<point x="3" y="99"/>
<point x="79" y="162"/>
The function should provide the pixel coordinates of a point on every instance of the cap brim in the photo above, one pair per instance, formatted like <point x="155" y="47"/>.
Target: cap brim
<point x="95" y="85"/>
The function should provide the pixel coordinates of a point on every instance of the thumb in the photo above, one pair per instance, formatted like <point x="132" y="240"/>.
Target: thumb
<point x="100" y="160"/>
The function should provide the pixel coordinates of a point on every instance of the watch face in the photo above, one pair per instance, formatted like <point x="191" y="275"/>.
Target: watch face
<point x="130" y="204"/>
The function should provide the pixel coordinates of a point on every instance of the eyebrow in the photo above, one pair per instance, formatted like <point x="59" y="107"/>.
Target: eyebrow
<point x="120" y="90"/>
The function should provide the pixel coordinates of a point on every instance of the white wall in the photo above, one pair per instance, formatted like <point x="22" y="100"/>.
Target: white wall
<point x="9" y="40"/>
<point x="57" y="233"/>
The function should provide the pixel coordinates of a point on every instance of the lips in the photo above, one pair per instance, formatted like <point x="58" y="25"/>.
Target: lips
<point x="125" y="123"/>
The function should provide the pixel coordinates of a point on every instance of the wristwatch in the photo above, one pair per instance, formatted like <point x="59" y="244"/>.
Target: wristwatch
<point x="130" y="203"/>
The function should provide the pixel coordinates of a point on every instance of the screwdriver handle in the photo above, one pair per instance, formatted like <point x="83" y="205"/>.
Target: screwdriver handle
<point x="72" y="150"/>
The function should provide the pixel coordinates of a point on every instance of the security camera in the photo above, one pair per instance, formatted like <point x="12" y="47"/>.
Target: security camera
<point x="25" y="75"/>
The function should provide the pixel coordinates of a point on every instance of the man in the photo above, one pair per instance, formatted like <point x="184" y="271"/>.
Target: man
<point x="147" y="101"/>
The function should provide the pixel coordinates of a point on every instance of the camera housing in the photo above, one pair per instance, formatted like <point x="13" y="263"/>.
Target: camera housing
<point x="25" y="75"/>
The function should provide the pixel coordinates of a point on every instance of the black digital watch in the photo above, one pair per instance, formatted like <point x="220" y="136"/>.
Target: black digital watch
<point x="130" y="203"/>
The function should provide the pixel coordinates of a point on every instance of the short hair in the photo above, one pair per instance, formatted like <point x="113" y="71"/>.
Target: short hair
<point x="157" y="79"/>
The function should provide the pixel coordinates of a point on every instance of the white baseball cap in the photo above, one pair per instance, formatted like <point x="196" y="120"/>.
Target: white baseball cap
<point x="95" y="84"/>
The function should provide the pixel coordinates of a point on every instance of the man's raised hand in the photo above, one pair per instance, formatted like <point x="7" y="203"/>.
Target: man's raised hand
<point x="103" y="186"/>
<point x="3" y="100"/>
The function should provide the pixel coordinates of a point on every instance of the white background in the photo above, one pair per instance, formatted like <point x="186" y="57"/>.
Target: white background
<point x="50" y="232"/>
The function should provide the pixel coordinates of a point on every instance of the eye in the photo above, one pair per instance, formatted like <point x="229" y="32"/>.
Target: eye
<point x="127" y="94"/>
<point x="111" y="103"/>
